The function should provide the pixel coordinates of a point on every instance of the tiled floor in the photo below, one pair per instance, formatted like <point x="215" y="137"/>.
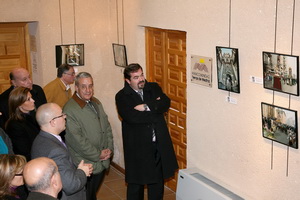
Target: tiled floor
<point x="114" y="187"/>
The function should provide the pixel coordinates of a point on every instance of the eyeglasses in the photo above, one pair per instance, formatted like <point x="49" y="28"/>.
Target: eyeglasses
<point x="73" y="74"/>
<point x="18" y="174"/>
<point x="62" y="115"/>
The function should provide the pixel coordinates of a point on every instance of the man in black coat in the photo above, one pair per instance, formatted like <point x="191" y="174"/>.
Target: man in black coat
<point x="20" y="77"/>
<point x="148" y="150"/>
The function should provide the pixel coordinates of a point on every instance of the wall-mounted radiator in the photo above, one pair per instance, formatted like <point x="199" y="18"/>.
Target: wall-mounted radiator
<point x="192" y="185"/>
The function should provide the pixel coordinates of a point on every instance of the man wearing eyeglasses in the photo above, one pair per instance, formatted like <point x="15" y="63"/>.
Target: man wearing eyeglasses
<point x="59" y="90"/>
<point x="49" y="144"/>
<point x="88" y="133"/>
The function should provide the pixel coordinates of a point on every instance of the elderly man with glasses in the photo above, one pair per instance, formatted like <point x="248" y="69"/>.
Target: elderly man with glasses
<point x="59" y="90"/>
<point x="49" y="144"/>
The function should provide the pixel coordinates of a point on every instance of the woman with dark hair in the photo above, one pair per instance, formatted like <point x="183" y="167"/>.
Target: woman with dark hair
<point x="11" y="176"/>
<point x="21" y="126"/>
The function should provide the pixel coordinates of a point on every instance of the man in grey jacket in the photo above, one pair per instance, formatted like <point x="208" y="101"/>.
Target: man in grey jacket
<point x="88" y="133"/>
<point x="49" y="144"/>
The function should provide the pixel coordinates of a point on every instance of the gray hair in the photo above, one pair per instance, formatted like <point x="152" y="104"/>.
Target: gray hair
<point x="82" y="75"/>
<point x="45" y="181"/>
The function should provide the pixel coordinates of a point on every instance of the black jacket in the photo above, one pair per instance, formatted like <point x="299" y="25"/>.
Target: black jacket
<point x="137" y="126"/>
<point x="22" y="133"/>
<point x="38" y="96"/>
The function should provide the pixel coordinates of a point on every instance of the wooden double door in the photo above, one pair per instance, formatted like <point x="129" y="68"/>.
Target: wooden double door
<point x="166" y="65"/>
<point x="14" y="50"/>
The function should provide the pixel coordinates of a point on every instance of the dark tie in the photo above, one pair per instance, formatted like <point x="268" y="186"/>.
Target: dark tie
<point x="140" y="92"/>
<point x="92" y="107"/>
<point x="63" y="142"/>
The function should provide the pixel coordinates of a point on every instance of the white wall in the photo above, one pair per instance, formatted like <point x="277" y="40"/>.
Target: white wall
<point x="224" y="140"/>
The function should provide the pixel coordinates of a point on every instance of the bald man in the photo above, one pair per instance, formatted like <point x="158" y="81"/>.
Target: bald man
<point x="42" y="179"/>
<point x="20" y="77"/>
<point x="49" y="144"/>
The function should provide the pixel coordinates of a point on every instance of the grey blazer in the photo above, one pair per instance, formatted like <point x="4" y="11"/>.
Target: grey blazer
<point x="73" y="179"/>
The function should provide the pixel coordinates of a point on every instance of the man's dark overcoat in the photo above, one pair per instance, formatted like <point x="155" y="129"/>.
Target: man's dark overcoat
<point x="137" y="126"/>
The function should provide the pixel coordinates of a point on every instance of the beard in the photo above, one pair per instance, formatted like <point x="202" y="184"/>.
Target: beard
<point x="141" y="84"/>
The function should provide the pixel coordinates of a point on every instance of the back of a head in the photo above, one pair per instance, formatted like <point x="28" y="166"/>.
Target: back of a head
<point x="45" y="113"/>
<point x="38" y="174"/>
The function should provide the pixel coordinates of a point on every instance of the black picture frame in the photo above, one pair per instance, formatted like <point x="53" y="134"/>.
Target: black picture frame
<point x="228" y="69"/>
<point x="120" y="56"/>
<point x="71" y="54"/>
<point x="280" y="124"/>
<point x="281" y="72"/>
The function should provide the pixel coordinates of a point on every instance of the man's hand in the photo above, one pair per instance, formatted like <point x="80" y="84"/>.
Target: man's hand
<point x="87" y="168"/>
<point x="140" y="107"/>
<point x="105" y="154"/>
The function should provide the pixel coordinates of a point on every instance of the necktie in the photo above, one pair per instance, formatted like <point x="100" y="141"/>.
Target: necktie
<point x="92" y="107"/>
<point x="63" y="142"/>
<point x="140" y="92"/>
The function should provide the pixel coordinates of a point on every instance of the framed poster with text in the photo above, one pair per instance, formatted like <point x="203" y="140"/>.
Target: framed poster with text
<point x="201" y="69"/>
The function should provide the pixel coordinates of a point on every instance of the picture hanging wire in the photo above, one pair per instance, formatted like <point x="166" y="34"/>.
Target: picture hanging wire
<point x="117" y="13"/>
<point x="272" y="155"/>
<point x="123" y="19"/>
<point x="275" y="25"/>
<point x="229" y="21"/>
<point x="276" y="13"/>
<point x="292" y="41"/>
<point x="61" y="35"/>
<point x="287" y="160"/>
<point x="229" y="29"/>
<point x="74" y="22"/>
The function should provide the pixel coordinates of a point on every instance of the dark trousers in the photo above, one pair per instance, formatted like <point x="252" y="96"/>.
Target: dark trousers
<point x="92" y="185"/>
<point x="155" y="190"/>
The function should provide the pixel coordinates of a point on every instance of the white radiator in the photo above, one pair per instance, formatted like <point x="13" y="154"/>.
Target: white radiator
<point x="192" y="185"/>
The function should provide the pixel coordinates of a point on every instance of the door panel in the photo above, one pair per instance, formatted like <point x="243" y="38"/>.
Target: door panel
<point x="166" y="64"/>
<point x="13" y="50"/>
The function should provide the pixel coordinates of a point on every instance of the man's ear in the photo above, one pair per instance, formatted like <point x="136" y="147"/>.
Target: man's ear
<point x="127" y="80"/>
<point x="56" y="182"/>
<point x="13" y="82"/>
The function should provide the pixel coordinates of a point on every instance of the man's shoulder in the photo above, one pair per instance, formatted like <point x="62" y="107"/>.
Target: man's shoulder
<point x="39" y="195"/>
<point x="51" y="83"/>
<point x="4" y="95"/>
<point x="70" y="105"/>
<point x="37" y="88"/>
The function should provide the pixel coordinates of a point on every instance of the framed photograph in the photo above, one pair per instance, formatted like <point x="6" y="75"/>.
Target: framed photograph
<point x="72" y="54"/>
<point x="280" y="124"/>
<point x="120" y="55"/>
<point x="228" y="69"/>
<point x="201" y="69"/>
<point x="281" y="72"/>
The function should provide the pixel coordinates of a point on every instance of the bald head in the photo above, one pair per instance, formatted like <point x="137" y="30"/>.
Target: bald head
<point x="21" y="77"/>
<point x="39" y="175"/>
<point x="50" y="118"/>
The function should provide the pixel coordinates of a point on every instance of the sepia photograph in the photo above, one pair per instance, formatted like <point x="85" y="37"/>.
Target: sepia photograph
<point x="228" y="69"/>
<point x="280" y="124"/>
<point x="71" y="54"/>
<point x="120" y="56"/>
<point x="281" y="73"/>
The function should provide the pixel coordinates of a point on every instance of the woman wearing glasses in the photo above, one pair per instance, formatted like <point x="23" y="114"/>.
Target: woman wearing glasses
<point x="21" y="126"/>
<point x="11" y="176"/>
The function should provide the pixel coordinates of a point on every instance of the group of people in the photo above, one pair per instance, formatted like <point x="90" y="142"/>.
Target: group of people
<point x="67" y="139"/>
